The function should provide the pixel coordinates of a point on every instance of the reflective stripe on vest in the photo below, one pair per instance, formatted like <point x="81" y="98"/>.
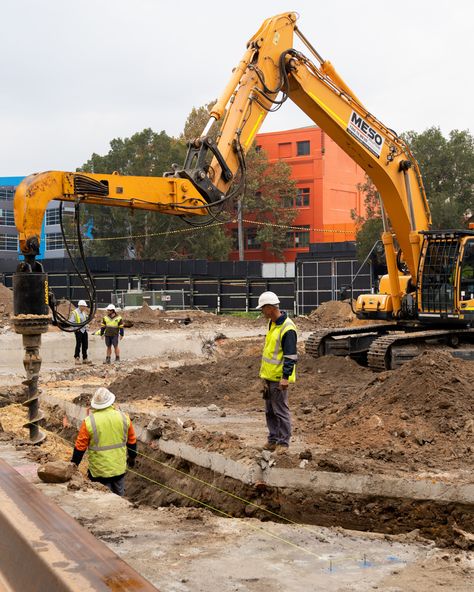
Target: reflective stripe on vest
<point x="107" y="452"/>
<point x="272" y="367"/>
<point x="115" y="322"/>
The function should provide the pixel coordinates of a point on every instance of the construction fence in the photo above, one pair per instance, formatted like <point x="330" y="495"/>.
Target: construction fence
<point x="315" y="282"/>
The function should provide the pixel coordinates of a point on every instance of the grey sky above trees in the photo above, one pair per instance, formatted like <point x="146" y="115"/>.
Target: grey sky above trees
<point x="76" y="74"/>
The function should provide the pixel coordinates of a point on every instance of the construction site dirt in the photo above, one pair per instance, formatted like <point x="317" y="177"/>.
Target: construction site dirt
<point x="192" y="389"/>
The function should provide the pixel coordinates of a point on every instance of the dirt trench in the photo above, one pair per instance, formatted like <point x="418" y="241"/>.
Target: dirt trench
<point x="161" y="480"/>
<point x="433" y="520"/>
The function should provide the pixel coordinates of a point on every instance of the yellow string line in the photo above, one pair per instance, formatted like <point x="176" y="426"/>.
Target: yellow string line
<point x="197" y="479"/>
<point x="258" y="528"/>
<point x="242" y="499"/>
<point x="198" y="228"/>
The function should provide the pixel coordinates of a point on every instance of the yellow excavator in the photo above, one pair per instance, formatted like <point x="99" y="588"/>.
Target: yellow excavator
<point x="427" y="297"/>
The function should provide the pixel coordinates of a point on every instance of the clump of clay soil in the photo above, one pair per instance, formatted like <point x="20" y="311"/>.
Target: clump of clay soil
<point x="332" y="314"/>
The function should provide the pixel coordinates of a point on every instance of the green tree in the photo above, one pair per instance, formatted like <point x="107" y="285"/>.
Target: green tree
<point x="268" y="189"/>
<point x="447" y="168"/>
<point x="196" y="122"/>
<point x="369" y="227"/>
<point x="147" y="153"/>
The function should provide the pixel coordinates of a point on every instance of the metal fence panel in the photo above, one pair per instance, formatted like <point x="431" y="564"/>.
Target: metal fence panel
<point x="320" y="281"/>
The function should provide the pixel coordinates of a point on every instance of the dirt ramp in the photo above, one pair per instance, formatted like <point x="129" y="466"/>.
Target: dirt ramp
<point x="6" y="301"/>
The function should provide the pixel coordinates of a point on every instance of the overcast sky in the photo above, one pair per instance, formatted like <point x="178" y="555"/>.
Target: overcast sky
<point x="75" y="75"/>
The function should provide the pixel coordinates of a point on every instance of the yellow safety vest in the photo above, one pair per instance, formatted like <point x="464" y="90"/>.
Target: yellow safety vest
<point x="107" y="452"/>
<point x="112" y="326"/>
<point x="272" y="358"/>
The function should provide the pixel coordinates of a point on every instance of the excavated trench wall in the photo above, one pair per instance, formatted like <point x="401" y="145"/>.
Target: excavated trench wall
<point x="350" y="501"/>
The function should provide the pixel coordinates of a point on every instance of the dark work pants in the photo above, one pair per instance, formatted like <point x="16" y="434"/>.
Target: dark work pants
<point x="277" y="414"/>
<point x="115" y="484"/>
<point x="82" y="341"/>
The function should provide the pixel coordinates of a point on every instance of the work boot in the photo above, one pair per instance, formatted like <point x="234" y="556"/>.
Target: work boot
<point x="281" y="449"/>
<point x="270" y="446"/>
<point x="107" y="360"/>
<point x="117" y="358"/>
<point x="86" y="361"/>
<point x="77" y="361"/>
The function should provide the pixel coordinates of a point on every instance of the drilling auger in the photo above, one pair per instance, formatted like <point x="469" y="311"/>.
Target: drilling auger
<point x="31" y="319"/>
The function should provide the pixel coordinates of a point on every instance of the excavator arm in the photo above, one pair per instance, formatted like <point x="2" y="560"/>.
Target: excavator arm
<point x="271" y="71"/>
<point x="167" y="195"/>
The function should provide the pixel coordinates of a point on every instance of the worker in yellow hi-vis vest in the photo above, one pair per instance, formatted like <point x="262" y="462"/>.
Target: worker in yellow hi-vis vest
<point x="78" y="316"/>
<point x="277" y="370"/>
<point x="108" y="436"/>
<point x="112" y="329"/>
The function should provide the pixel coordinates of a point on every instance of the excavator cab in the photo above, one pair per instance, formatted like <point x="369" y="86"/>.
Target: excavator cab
<point x="466" y="281"/>
<point x="446" y="278"/>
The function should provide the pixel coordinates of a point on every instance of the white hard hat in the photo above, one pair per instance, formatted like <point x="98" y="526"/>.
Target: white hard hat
<point x="267" y="298"/>
<point x="82" y="303"/>
<point x="102" y="398"/>
<point x="111" y="307"/>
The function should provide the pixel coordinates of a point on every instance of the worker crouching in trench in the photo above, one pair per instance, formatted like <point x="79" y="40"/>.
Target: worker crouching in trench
<point x="109" y="438"/>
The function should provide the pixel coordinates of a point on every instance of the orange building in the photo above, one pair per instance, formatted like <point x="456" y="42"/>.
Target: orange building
<point x="327" y="182"/>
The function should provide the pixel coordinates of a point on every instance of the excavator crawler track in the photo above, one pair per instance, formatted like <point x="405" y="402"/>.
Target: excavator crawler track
<point x="380" y="355"/>
<point x="315" y="344"/>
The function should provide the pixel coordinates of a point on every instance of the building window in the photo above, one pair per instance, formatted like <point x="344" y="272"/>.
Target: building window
<point x="297" y="239"/>
<point x="7" y="192"/>
<point x="258" y="148"/>
<point x="284" y="150"/>
<point x="52" y="217"/>
<point x="8" y="242"/>
<point x="302" y="148"/>
<point x="7" y="218"/>
<point x="54" y="241"/>
<point x="302" y="197"/>
<point x="301" y="200"/>
<point x="235" y="239"/>
<point x="252" y="242"/>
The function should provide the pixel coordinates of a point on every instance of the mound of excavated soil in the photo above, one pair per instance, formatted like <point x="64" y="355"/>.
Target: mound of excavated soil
<point x="146" y="317"/>
<point x="233" y="381"/>
<point x="332" y="314"/>
<point x="145" y="314"/>
<point x="422" y="412"/>
<point x="420" y="416"/>
<point x="65" y="307"/>
<point x="6" y="300"/>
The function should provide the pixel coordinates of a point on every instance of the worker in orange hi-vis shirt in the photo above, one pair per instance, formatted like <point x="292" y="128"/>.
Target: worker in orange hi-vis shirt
<point x="109" y="438"/>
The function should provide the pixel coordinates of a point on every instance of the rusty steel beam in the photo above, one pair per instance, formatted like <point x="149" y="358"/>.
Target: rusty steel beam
<point x="43" y="548"/>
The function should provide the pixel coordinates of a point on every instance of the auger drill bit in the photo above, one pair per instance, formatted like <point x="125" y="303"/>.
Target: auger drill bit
<point x="32" y="364"/>
<point x="31" y="319"/>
